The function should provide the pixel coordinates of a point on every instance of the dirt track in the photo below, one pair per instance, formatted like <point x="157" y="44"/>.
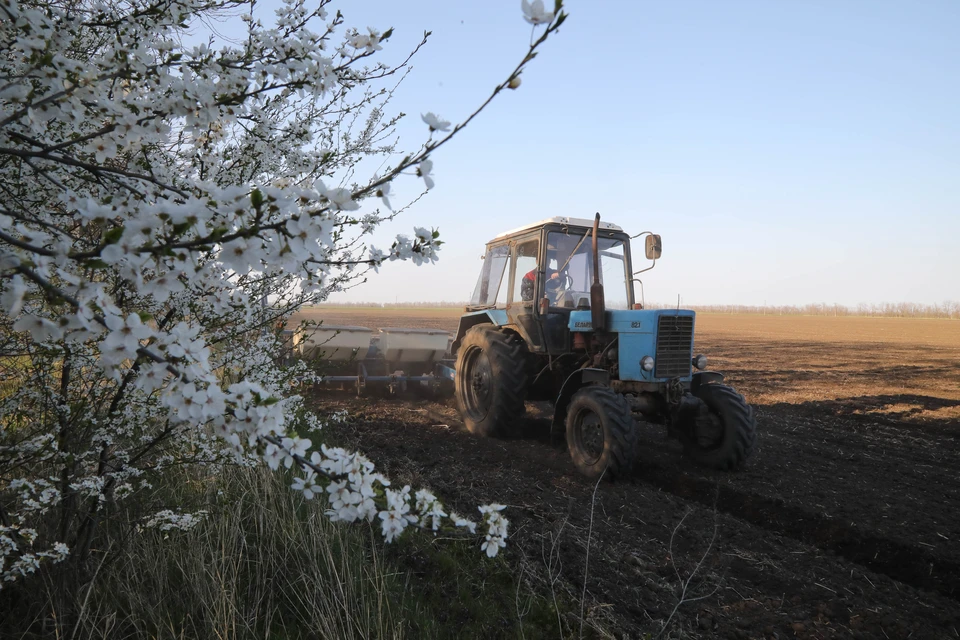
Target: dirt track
<point x="845" y="524"/>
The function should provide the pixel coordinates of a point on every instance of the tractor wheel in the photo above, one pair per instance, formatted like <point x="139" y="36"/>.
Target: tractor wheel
<point x="491" y="380"/>
<point x="601" y="432"/>
<point x="723" y="437"/>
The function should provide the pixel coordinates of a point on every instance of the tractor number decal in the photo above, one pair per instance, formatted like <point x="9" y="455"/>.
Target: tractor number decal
<point x="635" y="324"/>
<point x="582" y="325"/>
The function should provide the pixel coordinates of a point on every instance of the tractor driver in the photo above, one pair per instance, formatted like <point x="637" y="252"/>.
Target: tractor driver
<point x="527" y="284"/>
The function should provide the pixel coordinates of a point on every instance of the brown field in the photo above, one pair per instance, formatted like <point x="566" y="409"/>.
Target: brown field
<point x="845" y="524"/>
<point x="786" y="358"/>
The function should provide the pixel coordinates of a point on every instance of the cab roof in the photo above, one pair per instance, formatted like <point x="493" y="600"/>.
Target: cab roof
<point x="564" y="220"/>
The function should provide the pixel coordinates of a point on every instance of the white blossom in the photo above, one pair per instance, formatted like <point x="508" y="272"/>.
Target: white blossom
<point x="434" y="122"/>
<point x="41" y="329"/>
<point x="384" y="194"/>
<point x="377" y="257"/>
<point x="11" y="300"/>
<point x="369" y="41"/>
<point x="342" y="199"/>
<point x="534" y="12"/>
<point x="168" y="520"/>
<point x="423" y="170"/>
<point x="123" y="338"/>
<point x="392" y="524"/>
<point x="460" y="521"/>
<point x="307" y="485"/>
<point x="496" y="536"/>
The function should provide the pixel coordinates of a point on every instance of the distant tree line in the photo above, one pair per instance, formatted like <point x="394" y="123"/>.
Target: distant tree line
<point x="947" y="309"/>
<point x="443" y="304"/>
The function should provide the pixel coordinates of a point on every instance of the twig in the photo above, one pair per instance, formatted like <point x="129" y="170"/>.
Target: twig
<point x="586" y="561"/>
<point x="823" y="586"/>
<point x="554" y="546"/>
<point x="685" y="584"/>
<point x="516" y="603"/>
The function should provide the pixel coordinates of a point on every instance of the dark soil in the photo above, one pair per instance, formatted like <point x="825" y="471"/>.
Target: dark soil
<point x="843" y="525"/>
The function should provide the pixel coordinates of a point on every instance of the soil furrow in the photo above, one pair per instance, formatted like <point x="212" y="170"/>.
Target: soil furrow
<point x="908" y="564"/>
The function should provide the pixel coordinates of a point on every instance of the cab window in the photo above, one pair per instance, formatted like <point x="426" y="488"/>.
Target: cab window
<point x="488" y="292"/>
<point x="525" y="272"/>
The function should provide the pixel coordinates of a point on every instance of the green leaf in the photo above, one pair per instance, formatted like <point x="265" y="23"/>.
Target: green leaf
<point x="256" y="198"/>
<point x="113" y="235"/>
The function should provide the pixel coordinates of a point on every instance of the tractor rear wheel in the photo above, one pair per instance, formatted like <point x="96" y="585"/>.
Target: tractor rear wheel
<point x="601" y="433"/>
<point x="725" y="434"/>
<point x="491" y="380"/>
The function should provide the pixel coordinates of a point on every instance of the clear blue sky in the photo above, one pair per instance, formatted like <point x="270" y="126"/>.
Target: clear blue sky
<point x="788" y="152"/>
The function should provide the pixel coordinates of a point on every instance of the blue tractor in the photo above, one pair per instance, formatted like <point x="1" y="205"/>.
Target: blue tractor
<point x="553" y="317"/>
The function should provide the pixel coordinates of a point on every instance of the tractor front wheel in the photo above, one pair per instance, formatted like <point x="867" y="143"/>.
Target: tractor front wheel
<point x="601" y="432"/>
<point x="491" y="380"/>
<point x="725" y="432"/>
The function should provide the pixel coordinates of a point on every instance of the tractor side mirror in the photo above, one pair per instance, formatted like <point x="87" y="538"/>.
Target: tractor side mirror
<point x="653" y="246"/>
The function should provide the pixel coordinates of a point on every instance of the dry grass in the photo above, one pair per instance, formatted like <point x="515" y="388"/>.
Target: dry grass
<point x="266" y="564"/>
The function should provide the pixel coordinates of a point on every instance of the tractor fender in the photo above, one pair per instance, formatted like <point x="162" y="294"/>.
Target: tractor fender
<point x="575" y="381"/>
<point x="704" y="377"/>
<point x="496" y="317"/>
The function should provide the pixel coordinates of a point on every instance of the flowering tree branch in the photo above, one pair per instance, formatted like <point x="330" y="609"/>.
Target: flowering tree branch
<point x="164" y="205"/>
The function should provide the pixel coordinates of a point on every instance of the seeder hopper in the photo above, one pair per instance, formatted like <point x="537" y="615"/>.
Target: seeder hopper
<point x="391" y="359"/>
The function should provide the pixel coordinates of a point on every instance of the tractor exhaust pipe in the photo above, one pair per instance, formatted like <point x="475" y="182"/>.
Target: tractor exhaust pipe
<point x="598" y="315"/>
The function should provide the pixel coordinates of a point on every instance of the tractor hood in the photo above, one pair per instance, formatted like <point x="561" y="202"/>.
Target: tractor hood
<point x="665" y="335"/>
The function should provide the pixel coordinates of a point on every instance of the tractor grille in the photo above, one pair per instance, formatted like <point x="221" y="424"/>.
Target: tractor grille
<point x="674" y="346"/>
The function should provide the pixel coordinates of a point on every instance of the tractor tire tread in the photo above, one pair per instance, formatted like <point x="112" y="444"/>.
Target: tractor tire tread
<point x="507" y="353"/>
<point x="740" y="424"/>
<point x="620" y="455"/>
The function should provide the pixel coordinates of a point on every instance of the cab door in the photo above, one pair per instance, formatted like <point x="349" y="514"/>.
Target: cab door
<point x="524" y="285"/>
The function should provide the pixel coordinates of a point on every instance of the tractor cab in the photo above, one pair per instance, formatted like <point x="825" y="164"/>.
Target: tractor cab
<point x="553" y="317"/>
<point x="535" y="276"/>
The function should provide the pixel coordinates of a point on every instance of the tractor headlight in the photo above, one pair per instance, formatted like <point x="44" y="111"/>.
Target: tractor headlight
<point x="646" y="363"/>
<point x="700" y="362"/>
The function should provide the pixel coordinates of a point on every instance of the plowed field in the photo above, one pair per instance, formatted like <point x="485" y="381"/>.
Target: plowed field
<point x="845" y="524"/>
